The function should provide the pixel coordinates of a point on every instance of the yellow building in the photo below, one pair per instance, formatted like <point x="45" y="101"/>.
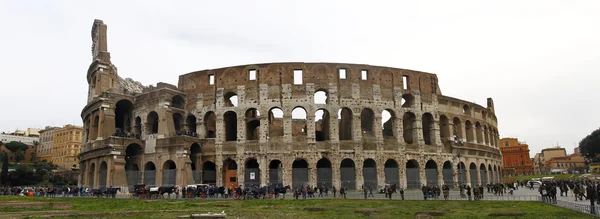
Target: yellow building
<point x="66" y="146"/>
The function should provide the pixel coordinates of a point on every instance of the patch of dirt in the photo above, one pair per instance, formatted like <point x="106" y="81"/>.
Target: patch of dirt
<point x="368" y="212"/>
<point x="510" y="214"/>
<point x="313" y="209"/>
<point x="432" y="213"/>
<point x="423" y="216"/>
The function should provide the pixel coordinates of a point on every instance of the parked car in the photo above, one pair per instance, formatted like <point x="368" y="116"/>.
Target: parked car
<point x="535" y="183"/>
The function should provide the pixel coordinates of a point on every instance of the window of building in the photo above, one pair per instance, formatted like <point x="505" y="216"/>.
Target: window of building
<point x="252" y="74"/>
<point x="363" y="75"/>
<point x="405" y="82"/>
<point x="297" y="76"/>
<point x="342" y="73"/>
<point x="211" y="79"/>
<point x="506" y="143"/>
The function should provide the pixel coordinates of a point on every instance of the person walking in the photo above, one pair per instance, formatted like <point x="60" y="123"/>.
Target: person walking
<point x="592" y="196"/>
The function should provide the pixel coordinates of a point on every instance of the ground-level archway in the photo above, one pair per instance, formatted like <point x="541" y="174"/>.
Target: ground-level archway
<point x="413" y="175"/>
<point x="324" y="173"/>
<point x="150" y="174"/>
<point x="431" y="173"/>
<point x="251" y="173"/>
<point x="299" y="173"/>
<point x="275" y="174"/>
<point x="483" y="173"/>
<point x="392" y="175"/>
<point x="473" y="174"/>
<point x="102" y="175"/>
<point x="169" y="173"/>
<point x="209" y="173"/>
<point x="370" y="173"/>
<point x="348" y="174"/>
<point x="447" y="174"/>
<point x="462" y="171"/>
<point x="230" y="176"/>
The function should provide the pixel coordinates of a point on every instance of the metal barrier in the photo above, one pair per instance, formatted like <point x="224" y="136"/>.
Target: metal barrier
<point x="582" y="208"/>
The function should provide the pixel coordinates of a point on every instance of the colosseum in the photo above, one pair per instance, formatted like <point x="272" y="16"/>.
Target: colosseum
<point x="296" y="124"/>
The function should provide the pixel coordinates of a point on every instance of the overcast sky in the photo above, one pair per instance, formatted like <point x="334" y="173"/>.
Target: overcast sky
<point x="539" y="60"/>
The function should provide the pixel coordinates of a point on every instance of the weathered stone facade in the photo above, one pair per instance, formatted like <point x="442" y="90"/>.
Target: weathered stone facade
<point x="294" y="124"/>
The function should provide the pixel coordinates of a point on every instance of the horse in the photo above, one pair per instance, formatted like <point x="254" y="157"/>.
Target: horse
<point x="166" y="189"/>
<point x="111" y="192"/>
<point x="97" y="193"/>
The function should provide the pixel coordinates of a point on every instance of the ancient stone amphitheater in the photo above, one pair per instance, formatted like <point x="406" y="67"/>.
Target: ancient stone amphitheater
<point x="296" y="124"/>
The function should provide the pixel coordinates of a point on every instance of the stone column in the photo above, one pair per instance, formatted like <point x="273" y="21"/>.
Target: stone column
<point x="402" y="174"/>
<point x="241" y="172"/>
<point x="418" y="133"/>
<point x="310" y="127"/>
<point x="241" y="129"/>
<point x="380" y="173"/>
<point x="455" y="176"/>
<point x="440" y="175"/>
<point x="287" y="129"/>
<point x="356" y="127"/>
<point x="219" y="168"/>
<point x="358" y="171"/>
<point x="478" y="176"/>
<point x="335" y="173"/>
<point x="312" y="173"/>
<point x="264" y="170"/>
<point x="467" y="174"/>
<point x="100" y="123"/>
<point x="287" y="171"/>
<point x="377" y="128"/>
<point x="422" y="175"/>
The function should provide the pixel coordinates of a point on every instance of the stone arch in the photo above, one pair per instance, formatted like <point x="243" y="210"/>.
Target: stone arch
<point x="444" y="128"/>
<point x="458" y="129"/>
<point x="348" y="174"/>
<point x="150" y="174"/>
<point x="230" y="99"/>
<point x="123" y="117"/>
<point x="392" y="176"/>
<point x="345" y="124"/>
<point x="195" y="153"/>
<point x="320" y="97"/>
<point x="408" y="100"/>
<point x="275" y="122"/>
<point x="178" y="123"/>
<point x="91" y="175"/>
<point x="209" y="173"/>
<point x="299" y="121"/>
<point x="409" y="123"/>
<point x="210" y="125"/>
<point x="469" y="130"/>
<point x="447" y="174"/>
<point x="138" y="127"/>
<point x="275" y="173"/>
<point x="103" y="175"/>
<point x="431" y="173"/>
<point x="230" y="120"/>
<point x="486" y="135"/>
<point x="367" y="118"/>
<point x="299" y="173"/>
<point x="230" y="173"/>
<point x="478" y="132"/>
<point x="324" y="173"/>
<point x="466" y="109"/>
<point x="133" y="155"/>
<point x="483" y="174"/>
<point x="169" y="173"/>
<point x="428" y="128"/>
<point x="370" y="173"/>
<point x="252" y="118"/>
<point x="322" y="132"/>
<point x="252" y="173"/>
<point x="388" y="119"/>
<point x="178" y="102"/>
<point x="462" y="171"/>
<point x="413" y="174"/>
<point x="152" y="123"/>
<point x="190" y="123"/>
<point x="473" y="174"/>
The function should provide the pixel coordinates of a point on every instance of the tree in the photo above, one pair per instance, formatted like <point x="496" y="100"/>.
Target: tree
<point x="19" y="156"/>
<point x="4" y="174"/>
<point x="15" y="146"/>
<point x="590" y="145"/>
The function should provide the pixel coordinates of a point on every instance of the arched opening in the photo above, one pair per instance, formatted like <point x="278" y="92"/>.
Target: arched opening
<point x="469" y="131"/>
<point x="195" y="157"/>
<point x="275" y="174"/>
<point x="320" y="97"/>
<point x="252" y="124"/>
<point x="462" y="170"/>
<point x="133" y="155"/>
<point x="445" y="128"/>
<point x="95" y="127"/>
<point x="152" y="123"/>
<point x="486" y="135"/>
<point x="190" y="123"/>
<point x="210" y="125"/>
<point x="409" y="124"/>
<point x="324" y="173"/>
<point x="413" y="180"/>
<point x="473" y="174"/>
<point x="348" y="174"/>
<point x="299" y="173"/>
<point x="252" y="173"/>
<point x="102" y="172"/>
<point x="345" y="124"/>
<point x="322" y="125"/>
<point x="366" y="122"/>
<point x="479" y="132"/>
<point x="231" y="99"/>
<point x="298" y="122"/>
<point x="447" y="174"/>
<point x="177" y="102"/>
<point x="123" y="116"/>
<point x="138" y="127"/>
<point x="392" y="175"/>
<point x="275" y="122"/>
<point x="230" y="119"/>
<point x="178" y="123"/>
<point x="388" y="119"/>
<point x="150" y="174"/>
<point x="91" y="175"/>
<point x="428" y="128"/>
<point x="230" y="174"/>
<point x="466" y="109"/>
<point x="491" y="173"/>
<point x="408" y="100"/>
<point x="458" y="129"/>
<point x="483" y="174"/>
<point x="431" y="173"/>
<point x="370" y="174"/>
<point x="209" y="173"/>
<point x="169" y="173"/>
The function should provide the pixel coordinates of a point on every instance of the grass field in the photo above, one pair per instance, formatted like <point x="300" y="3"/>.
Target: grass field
<point x="327" y="208"/>
<point x="529" y="177"/>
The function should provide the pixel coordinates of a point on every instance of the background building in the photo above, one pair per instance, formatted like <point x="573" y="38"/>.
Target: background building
<point x="570" y="164"/>
<point x="46" y="140"/>
<point x="541" y="159"/>
<point x="516" y="158"/>
<point x="66" y="145"/>
<point x="29" y="136"/>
